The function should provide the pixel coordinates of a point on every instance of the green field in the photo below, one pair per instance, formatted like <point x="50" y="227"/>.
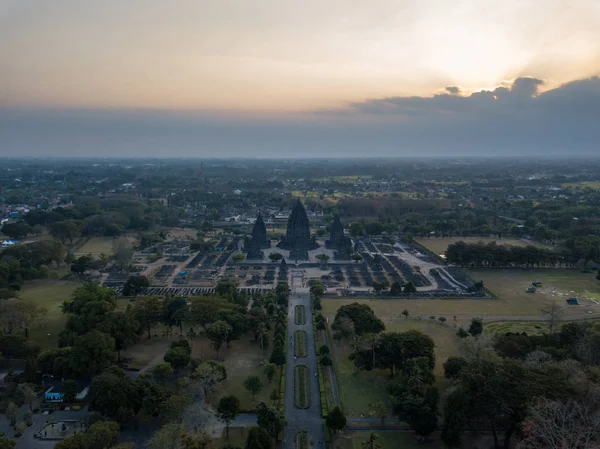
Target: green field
<point x="242" y="359"/>
<point x="96" y="246"/>
<point x="49" y="294"/>
<point x="99" y="245"/>
<point x="531" y="328"/>
<point x="439" y="245"/>
<point x="357" y="390"/>
<point x="404" y="440"/>
<point x="512" y="300"/>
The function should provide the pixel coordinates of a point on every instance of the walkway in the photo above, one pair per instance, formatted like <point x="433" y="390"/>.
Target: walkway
<point x="309" y="419"/>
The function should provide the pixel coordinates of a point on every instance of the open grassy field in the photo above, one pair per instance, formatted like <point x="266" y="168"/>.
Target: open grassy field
<point x="237" y="437"/>
<point x="96" y="246"/>
<point x="49" y="294"/>
<point x="242" y="359"/>
<point x="531" y="328"/>
<point x="360" y="389"/>
<point x="439" y="244"/>
<point x="402" y="440"/>
<point x="512" y="301"/>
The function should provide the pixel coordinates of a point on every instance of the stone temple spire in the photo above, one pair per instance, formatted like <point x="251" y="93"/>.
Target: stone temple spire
<point x="341" y="244"/>
<point x="259" y="239"/>
<point x="297" y="237"/>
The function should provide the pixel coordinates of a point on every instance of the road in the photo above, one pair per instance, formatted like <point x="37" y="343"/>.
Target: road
<point x="309" y="419"/>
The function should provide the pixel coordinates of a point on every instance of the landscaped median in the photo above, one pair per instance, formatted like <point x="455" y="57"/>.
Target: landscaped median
<point x="323" y="396"/>
<point x="302" y="440"/>
<point x="300" y="344"/>
<point x="282" y="389"/>
<point x="299" y="315"/>
<point x="301" y="387"/>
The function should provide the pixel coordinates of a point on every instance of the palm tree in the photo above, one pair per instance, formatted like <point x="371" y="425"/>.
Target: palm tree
<point x="262" y="332"/>
<point x="66" y="307"/>
<point x="371" y="443"/>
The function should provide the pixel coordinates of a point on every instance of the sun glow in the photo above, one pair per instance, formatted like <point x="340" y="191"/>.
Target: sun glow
<point x="472" y="55"/>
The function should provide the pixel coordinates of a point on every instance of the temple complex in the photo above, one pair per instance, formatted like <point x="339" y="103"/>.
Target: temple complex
<point x="259" y="239"/>
<point x="338" y="242"/>
<point x="297" y="238"/>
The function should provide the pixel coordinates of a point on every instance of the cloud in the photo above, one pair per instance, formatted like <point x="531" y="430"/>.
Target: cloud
<point x="513" y="120"/>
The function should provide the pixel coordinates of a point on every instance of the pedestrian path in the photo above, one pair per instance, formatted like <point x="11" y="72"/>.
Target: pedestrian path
<point x="309" y="419"/>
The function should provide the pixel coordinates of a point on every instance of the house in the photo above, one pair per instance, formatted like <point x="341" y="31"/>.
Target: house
<point x="56" y="392"/>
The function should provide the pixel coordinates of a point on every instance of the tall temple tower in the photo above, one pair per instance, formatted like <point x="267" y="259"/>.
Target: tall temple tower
<point x="259" y="239"/>
<point x="297" y="237"/>
<point x="338" y="242"/>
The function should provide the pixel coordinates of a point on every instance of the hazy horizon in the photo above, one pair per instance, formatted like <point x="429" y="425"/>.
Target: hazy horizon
<point x="283" y="79"/>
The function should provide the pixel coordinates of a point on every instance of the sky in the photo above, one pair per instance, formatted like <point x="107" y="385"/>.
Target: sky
<point x="289" y="79"/>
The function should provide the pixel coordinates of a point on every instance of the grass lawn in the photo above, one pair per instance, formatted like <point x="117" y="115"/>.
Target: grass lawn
<point x="147" y="353"/>
<point x="360" y="389"/>
<point x="242" y="359"/>
<point x="530" y="328"/>
<point x="237" y="437"/>
<point x="439" y="244"/>
<point x="403" y="440"/>
<point x="50" y="294"/>
<point x="508" y="284"/>
<point x="96" y="246"/>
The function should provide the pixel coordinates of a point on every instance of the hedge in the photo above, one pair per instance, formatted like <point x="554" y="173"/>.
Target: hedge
<point x="299" y="315"/>
<point x="299" y="344"/>
<point x="301" y="387"/>
<point x="282" y="389"/>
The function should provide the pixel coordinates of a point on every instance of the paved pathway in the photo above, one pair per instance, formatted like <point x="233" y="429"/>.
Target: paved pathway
<point x="309" y="419"/>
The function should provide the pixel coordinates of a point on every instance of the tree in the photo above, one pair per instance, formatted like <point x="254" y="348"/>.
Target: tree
<point x="238" y="257"/>
<point x="5" y="443"/>
<point x="173" y="408"/>
<point x="275" y="257"/>
<point x="65" y="230"/>
<point x="316" y="287"/>
<point x="169" y="436"/>
<point x="461" y="333"/>
<point x="453" y="366"/>
<point x="335" y="419"/>
<point x="270" y="419"/>
<point x="17" y="230"/>
<point x="11" y="413"/>
<point x="343" y="328"/>
<point x="148" y="312"/>
<point x="20" y="428"/>
<point x="558" y="424"/>
<point x="409" y="288"/>
<point x="362" y="316"/>
<point x="378" y="286"/>
<point x="123" y="327"/>
<point x="162" y="372"/>
<point x="476" y="327"/>
<point x="356" y="257"/>
<point x="258" y="438"/>
<point x="325" y="360"/>
<point x="324" y="349"/>
<point x="69" y="390"/>
<point x="405" y="313"/>
<point x="371" y="443"/>
<point x="178" y="357"/>
<point x="92" y="352"/>
<point x="395" y="288"/>
<point x="27" y="417"/>
<point x="554" y="312"/>
<point x="254" y="385"/>
<point x="228" y="409"/>
<point x="122" y="253"/>
<point x="31" y="372"/>
<point x="134" y="285"/>
<point x="380" y="410"/>
<point x="323" y="258"/>
<point x="206" y="376"/>
<point x="114" y="394"/>
<point x="356" y="229"/>
<point x="29" y="395"/>
<point x="442" y="319"/>
<point x="270" y="370"/>
<point x="218" y="332"/>
<point x="102" y="435"/>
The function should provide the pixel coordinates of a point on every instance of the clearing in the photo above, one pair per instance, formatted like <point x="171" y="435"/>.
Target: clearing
<point x="50" y="294"/>
<point x="242" y="359"/>
<point x="360" y="389"/>
<point x="512" y="300"/>
<point x="439" y="245"/>
<point x="97" y="246"/>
